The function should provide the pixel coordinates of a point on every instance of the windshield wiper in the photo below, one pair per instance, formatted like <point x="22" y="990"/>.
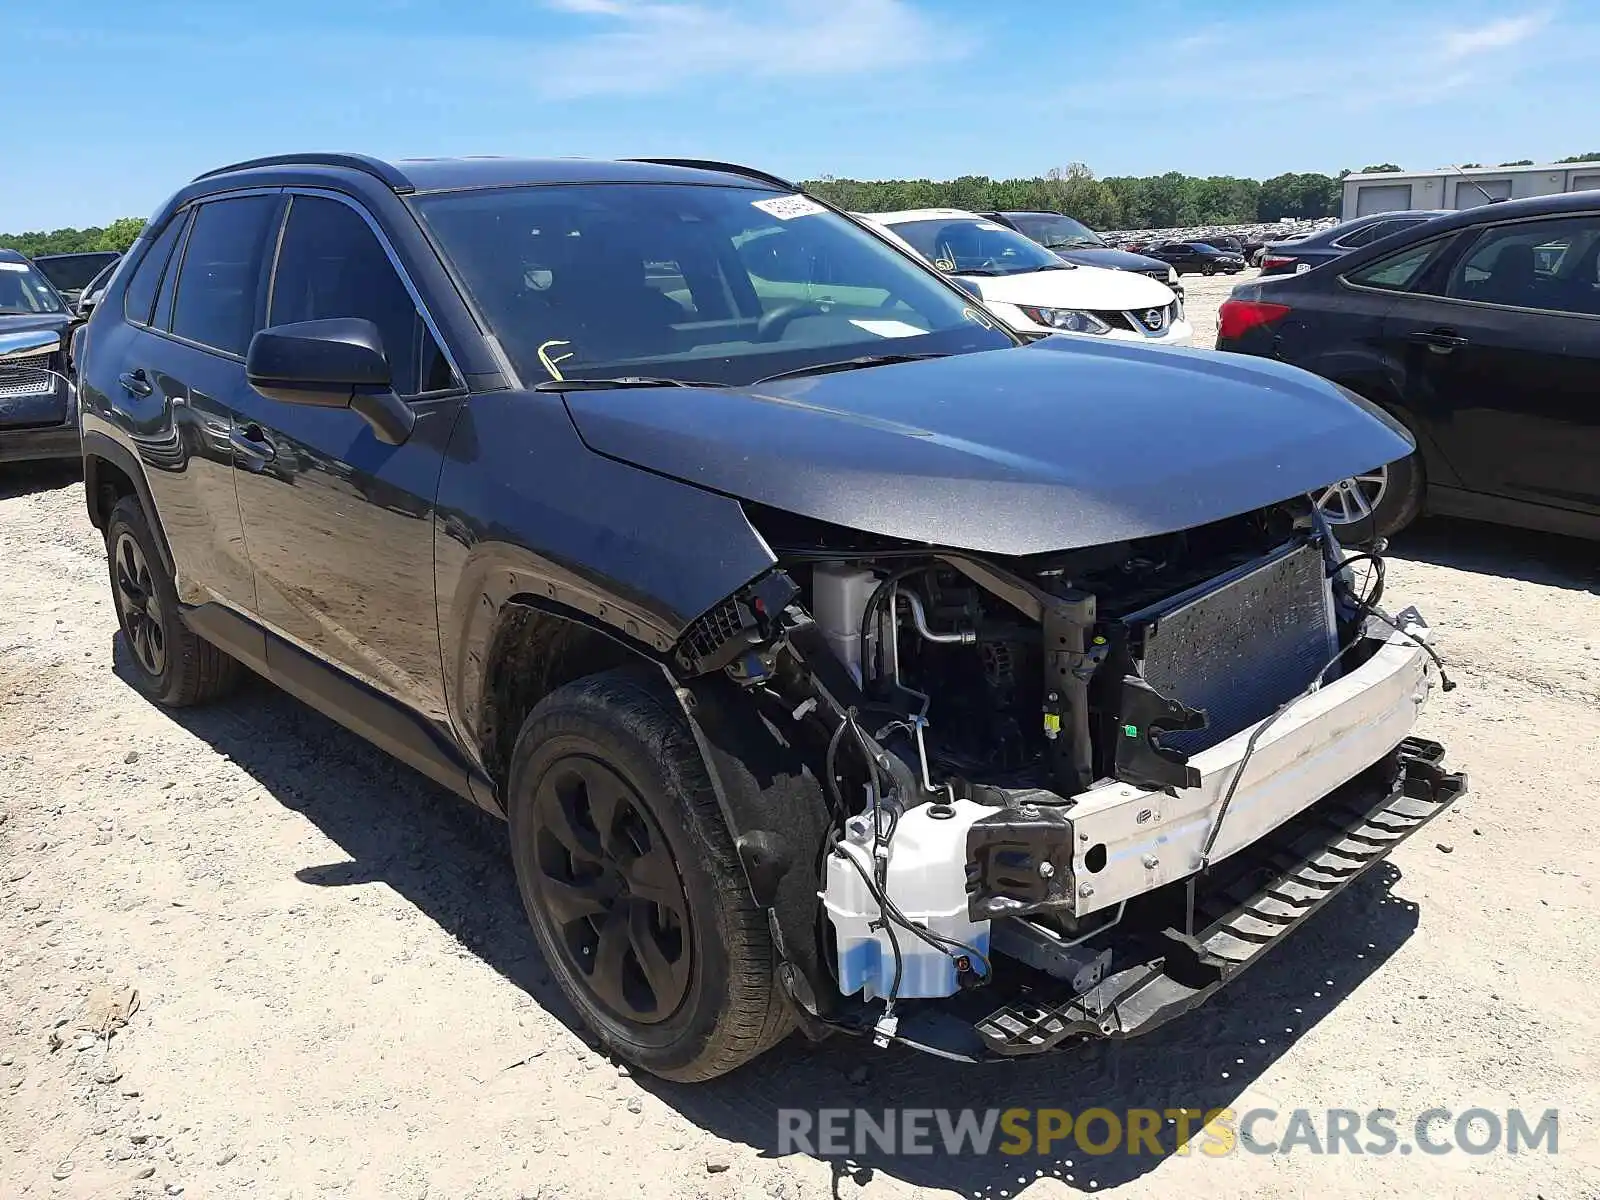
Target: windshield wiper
<point x="850" y="364"/>
<point x="622" y="381"/>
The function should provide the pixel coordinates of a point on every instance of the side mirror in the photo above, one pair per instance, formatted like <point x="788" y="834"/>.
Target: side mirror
<point x="28" y="343"/>
<point x="337" y="363"/>
<point x="87" y="301"/>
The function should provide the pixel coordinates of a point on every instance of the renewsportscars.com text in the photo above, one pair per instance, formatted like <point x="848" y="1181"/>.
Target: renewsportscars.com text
<point x="841" y="1132"/>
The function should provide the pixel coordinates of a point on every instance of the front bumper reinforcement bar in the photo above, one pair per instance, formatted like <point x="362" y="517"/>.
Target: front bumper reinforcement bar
<point x="1244" y="906"/>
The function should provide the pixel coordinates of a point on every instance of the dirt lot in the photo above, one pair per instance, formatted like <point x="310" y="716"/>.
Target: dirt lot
<point x="1202" y="297"/>
<point x="338" y="997"/>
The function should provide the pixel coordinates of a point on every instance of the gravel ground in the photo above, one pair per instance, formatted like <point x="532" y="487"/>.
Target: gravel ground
<point x="338" y="996"/>
<point x="1202" y="297"/>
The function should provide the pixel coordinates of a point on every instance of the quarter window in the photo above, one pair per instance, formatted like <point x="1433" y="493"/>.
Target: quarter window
<point x="330" y="265"/>
<point x="1535" y="264"/>
<point x="141" y="293"/>
<point x="1361" y="236"/>
<point x="1396" y="272"/>
<point x="221" y="273"/>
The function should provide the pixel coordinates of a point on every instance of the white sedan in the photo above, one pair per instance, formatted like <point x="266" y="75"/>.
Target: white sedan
<point x="1031" y="289"/>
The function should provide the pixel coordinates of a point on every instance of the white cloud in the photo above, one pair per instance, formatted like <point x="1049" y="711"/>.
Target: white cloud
<point x="1495" y="35"/>
<point x="614" y="8"/>
<point x="1403" y="62"/>
<point x="648" y="47"/>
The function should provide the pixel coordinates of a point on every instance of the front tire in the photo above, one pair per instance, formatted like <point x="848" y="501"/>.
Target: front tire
<point x="630" y="880"/>
<point x="169" y="662"/>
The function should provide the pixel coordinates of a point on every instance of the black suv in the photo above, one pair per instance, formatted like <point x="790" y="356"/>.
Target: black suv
<point x="38" y="403"/>
<point x="806" y="628"/>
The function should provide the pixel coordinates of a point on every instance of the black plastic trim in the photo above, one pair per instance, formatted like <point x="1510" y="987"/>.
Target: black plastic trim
<point x="97" y="445"/>
<point x="230" y="632"/>
<point x="380" y="720"/>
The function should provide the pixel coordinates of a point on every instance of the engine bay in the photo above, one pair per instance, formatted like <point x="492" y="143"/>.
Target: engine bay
<point x="964" y="713"/>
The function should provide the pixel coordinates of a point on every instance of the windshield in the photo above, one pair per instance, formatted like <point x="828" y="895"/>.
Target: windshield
<point x="1205" y="248"/>
<point x="72" y="272"/>
<point x="24" y="290"/>
<point x="967" y="246"/>
<point x="689" y="282"/>
<point x="1056" y="232"/>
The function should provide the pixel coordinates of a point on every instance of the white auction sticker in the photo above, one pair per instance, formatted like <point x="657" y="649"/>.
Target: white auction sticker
<point x="889" y="329"/>
<point x="20" y="268"/>
<point x="786" y="208"/>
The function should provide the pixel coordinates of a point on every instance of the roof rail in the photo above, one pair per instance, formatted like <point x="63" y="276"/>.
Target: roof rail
<point x="707" y="164"/>
<point x="364" y="163"/>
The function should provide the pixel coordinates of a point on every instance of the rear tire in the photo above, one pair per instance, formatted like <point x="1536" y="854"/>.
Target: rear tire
<point x="630" y="880"/>
<point x="169" y="662"/>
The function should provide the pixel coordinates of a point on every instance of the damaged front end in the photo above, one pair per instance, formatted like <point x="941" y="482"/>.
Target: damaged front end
<point x="1008" y="803"/>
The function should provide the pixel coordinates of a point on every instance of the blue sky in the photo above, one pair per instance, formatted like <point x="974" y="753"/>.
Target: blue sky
<point x="136" y="96"/>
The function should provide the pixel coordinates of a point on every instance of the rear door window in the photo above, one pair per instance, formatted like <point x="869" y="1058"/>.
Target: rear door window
<point x="220" y="279"/>
<point x="140" y="297"/>
<point x="331" y="265"/>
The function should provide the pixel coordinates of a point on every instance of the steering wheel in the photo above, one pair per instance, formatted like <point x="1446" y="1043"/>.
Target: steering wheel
<point x="771" y="326"/>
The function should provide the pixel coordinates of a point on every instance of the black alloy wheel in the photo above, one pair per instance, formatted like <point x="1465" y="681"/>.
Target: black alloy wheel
<point x="629" y="876"/>
<point x="170" y="663"/>
<point x="138" y="604"/>
<point x="608" y="880"/>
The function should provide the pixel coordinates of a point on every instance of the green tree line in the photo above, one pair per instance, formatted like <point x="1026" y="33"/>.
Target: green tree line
<point x="1117" y="202"/>
<point x="118" y="236"/>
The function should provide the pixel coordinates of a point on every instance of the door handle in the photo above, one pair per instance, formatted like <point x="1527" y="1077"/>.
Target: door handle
<point x="1441" y="341"/>
<point x="250" y="442"/>
<point x="136" y="383"/>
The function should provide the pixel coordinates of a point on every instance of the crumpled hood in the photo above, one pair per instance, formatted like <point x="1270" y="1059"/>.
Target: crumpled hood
<point x="1058" y="445"/>
<point x="1082" y="287"/>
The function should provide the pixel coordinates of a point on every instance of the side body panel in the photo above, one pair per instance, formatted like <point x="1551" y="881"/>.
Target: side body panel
<point x="1514" y="407"/>
<point x="178" y="434"/>
<point x="526" y="511"/>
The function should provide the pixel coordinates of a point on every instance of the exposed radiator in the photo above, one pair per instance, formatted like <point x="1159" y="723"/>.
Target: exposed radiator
<point x="1241" y="646"/>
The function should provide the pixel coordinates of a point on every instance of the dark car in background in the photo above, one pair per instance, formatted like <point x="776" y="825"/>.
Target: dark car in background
<point x="69" y="274"/>
<point x="1480" y="332"/>
<point x="1303" y="253"/>
<point x="1075" y="242"/>
<point x="38" y="405"/>
<point x="1199" y="257"/>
